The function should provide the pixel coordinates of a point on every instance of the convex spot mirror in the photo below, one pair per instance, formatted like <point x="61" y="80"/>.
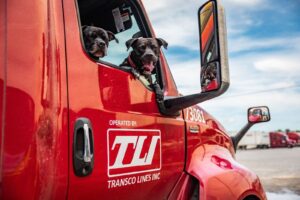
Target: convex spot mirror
<point x="213" y="48"/>
<point x="258" y="114"/>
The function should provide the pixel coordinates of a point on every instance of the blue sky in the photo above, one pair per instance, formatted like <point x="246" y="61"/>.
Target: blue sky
<point x="264" y="57"/>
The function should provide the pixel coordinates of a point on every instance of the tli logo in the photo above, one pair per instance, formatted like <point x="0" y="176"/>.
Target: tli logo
<point x="132" y="151"/>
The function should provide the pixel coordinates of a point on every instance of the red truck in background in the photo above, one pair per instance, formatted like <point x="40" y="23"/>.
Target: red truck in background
<point x="73" y="127"/>
<point x="295" y="136"/>
<point x="280" y="139"/>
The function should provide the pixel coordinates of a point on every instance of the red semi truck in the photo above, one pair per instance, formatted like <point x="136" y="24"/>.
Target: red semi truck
<point x="73" y="127"/>
<point x="280" y="139"/>
<point x="295" y="136"/>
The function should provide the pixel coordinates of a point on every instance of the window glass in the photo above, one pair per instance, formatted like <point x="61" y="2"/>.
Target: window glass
<point x="117" y="52"/>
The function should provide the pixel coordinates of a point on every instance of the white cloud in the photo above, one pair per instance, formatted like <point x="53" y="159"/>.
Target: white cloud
<point x="242" y="43"/>
<point x="186" y="75"/>
<point x="285" y="84"/>
<point x="232" y="112"/>
<point x="176" y="21"/>
<point x="284" y="64"/>
<point x="153" y="6"/>
<point x="244" y="3"/>
<point x="179" y="31"/>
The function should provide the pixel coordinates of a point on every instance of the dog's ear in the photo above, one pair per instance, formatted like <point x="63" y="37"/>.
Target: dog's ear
<point x="130" y="42"/>
<point x="84" y="27"/>
<point x="111" y="36"/>
<point x="162" y="42"/>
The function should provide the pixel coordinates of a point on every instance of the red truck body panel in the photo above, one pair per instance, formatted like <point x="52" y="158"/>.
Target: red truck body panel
<point x="34" y="135"/>
<point x="47" y="81"/>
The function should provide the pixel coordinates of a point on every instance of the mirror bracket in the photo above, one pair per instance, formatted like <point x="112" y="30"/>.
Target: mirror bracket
<point x="171" y="106"/>
<point x="237" y="138"/>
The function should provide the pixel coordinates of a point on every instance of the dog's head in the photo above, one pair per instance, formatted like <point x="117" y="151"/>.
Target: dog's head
<point x="96" y="40"/>
<point x="146" y="52"/>
<point x="209" y="74"/>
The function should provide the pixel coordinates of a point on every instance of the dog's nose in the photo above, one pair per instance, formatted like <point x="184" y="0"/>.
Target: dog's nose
<point x="101" y="44"/>
<point x="149" y="56"/>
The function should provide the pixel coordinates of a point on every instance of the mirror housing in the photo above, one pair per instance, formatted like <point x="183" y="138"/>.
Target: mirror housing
<point x="214" y="60"/>
<point x="213" y="48"/>
<point x="258" y="114"/>
<point x="255" y="115"/>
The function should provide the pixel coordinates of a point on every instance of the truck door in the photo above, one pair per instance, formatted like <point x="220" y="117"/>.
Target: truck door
<point x="120" y="145"/>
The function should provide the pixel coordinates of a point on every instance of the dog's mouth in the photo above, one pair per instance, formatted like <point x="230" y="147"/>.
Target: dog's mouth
<point x="99" y="54"/>
<point x="98" y="51"/>
<point x="148" y="66"/>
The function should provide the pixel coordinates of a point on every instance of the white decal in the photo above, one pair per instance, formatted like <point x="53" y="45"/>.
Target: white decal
<point x="138" y="142"/>
<point x="122" y="123"/>
<point x="195" y="115"/>
<point x="132" y="151"/>
<point x="120" y="182"/>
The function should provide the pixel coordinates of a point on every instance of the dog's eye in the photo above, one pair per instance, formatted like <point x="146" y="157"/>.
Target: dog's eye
<point x="93" y="35"/>
<point x="142" y="47"/>
<point x="103" y="37"/>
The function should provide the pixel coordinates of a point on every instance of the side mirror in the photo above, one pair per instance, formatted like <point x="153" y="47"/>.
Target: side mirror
<point x="213" y="48"/>
<point x="258" y="114"/>
<point x="255" y="115"/>
<point x="214" y="77"/>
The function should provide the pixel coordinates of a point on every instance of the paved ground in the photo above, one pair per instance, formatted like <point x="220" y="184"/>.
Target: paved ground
<point x="278" y="170"/>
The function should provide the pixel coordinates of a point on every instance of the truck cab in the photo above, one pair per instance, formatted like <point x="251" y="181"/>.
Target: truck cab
<point x="295" y="136"/>
<point x="75" y="127"/>
<point x="280" y="139"/>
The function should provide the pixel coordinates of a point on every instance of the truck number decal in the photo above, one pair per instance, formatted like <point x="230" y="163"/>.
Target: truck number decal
<point x="195" y="115"/>
<point x="132" y="151"/>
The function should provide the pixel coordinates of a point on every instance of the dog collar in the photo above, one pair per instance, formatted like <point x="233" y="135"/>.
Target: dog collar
<point x="130" y="62"/>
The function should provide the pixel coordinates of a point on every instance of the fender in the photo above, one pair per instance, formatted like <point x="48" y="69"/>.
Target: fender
<point x="211" y="160"/>
<point x="219" y="175"/>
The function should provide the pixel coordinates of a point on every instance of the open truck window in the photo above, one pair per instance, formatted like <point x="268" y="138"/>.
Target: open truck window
<point x="123" y="19"/>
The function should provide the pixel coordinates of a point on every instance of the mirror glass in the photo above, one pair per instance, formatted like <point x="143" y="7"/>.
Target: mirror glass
<point x="209" y="48"/>
<point x="210" y="77"/>
<point x="208" y="33"/>
<point x="258" y="114"/>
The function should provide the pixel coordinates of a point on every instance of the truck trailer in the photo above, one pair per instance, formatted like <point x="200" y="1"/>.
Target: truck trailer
<point x="255" y="139"/>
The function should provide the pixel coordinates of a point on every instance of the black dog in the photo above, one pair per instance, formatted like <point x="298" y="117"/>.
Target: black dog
<point x="208" y="74"/>
<point x="145" y="55"/>
<point x="96" y="40"/>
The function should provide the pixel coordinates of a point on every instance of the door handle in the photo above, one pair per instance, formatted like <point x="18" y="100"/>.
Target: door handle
<point x="87" y="156"/>
<point x="83" y="147"/>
